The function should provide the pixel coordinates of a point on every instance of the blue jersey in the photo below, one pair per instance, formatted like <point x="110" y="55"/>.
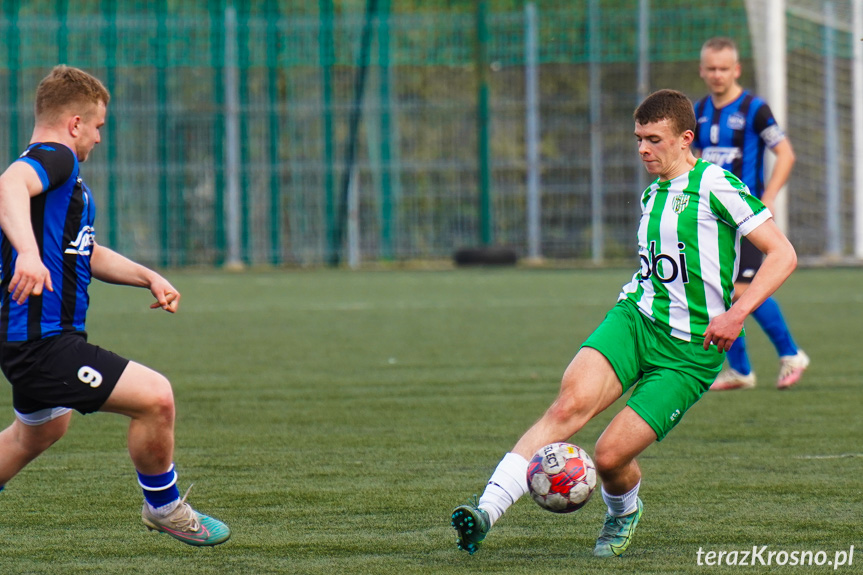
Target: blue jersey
<point x="62" y="217"/>
<point x="736" y="135"/>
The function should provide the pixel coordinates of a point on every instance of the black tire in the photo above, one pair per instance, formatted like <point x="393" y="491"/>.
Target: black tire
<point x="485" y="256"/>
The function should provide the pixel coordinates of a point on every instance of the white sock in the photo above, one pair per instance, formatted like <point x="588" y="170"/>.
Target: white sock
<point x="507" y="484"/>
<point x="620" y="505"/>
<point x="164" y="510"/>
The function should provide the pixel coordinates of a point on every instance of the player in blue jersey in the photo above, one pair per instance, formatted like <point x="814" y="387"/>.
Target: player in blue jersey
<point x="49" y="255"/>
<point x="734" y="128"/>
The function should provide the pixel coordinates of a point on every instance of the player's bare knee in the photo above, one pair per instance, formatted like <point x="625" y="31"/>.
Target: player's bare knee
<point x="564" y="411"/>
<point x="574" y="406"/>
<point x="160" y="398"/>
<point x="608" y="461"/>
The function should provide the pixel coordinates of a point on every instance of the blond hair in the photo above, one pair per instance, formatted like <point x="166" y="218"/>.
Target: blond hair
<point x="719" y="43"/>
<point x="67" y="89"/>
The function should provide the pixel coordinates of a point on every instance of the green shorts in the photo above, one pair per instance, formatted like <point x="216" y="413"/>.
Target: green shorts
<point x="667" y="375"/>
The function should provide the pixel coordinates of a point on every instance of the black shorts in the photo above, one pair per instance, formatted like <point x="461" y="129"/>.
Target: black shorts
<point x="750" y="260"/>
<point x="60" y="371"/>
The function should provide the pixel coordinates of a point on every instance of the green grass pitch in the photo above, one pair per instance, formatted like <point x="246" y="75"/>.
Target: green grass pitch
<point x="334" y="419"/>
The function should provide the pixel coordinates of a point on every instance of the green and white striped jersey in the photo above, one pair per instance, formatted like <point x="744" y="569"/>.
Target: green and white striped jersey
<point x="688" y="242"/>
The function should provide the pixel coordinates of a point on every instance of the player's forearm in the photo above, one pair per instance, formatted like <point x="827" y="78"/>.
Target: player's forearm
<point x="774" y="186"/>
<point x="110" y="267"/>
<point x="781" y="173"/>
<point x="777" y="266"/>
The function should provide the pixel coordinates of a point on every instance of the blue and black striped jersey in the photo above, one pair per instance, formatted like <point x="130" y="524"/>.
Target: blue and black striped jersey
<point x="736" y="135"/>
<point x="62" y="217"/>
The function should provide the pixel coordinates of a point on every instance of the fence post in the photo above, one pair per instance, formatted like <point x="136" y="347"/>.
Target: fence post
<point x="12" y="48"/>
<point x="777" y="91"/>
<point x="326" y="59"/>
<point x="857" y="158"/>
<point x="232" y="139"/>
<point x="353" y="219"/>
<point x="354" y="127"/>
<point x="833" y="221"/>
<point x="162" y="132"/>
<point x="486" y="226"/>
<point x="109" y="37"/>
<point x="243" y="62"/>
<point x="643" y="89"/>
<point x="531" y="76"/>
<point x="387" y="208"/>
<point x="216" y="56"/>
<point x="597" y="161"/>
<point x="273" y="16"/>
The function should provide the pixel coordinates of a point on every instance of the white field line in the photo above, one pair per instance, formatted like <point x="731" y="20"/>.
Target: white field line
<point x="837" y="456"/>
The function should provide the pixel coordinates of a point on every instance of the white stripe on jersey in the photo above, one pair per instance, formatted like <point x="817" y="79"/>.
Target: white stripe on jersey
<point x="708" y="242"/>
<point x="669" y="241"/>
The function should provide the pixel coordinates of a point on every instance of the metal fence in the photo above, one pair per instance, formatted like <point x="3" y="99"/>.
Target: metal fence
<point x="273" y="133"/>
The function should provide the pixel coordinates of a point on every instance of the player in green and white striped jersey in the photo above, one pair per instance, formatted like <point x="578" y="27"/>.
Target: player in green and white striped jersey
<point x="665" y="338"/>
<point x="688" y="241"/>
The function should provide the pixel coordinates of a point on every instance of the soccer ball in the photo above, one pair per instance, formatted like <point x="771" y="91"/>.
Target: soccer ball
<point x="561" y="477"/>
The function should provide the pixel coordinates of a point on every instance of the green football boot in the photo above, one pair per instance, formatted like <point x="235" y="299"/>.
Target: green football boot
<point x="472" y="525"/>
<point x="187" y="525"/>
<point x="616" y="534"/>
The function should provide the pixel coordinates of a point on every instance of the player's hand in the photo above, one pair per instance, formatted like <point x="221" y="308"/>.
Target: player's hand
<point x="167" y="296"/>
<point x="30" y="278"/>
<point x="722" y="331"/>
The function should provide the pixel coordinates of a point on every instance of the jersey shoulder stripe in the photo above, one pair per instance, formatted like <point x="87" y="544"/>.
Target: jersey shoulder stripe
<point x="733" y="203"/>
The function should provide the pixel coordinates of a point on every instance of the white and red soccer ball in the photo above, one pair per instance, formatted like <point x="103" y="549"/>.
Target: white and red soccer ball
<point x="561" y="477"/>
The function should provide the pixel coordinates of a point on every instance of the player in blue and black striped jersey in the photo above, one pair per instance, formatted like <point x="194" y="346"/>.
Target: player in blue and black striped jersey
<point x="734" y="128"/>
<point x="49" y="255"/>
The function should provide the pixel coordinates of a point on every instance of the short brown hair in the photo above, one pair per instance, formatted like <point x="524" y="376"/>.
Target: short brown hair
<point x="668" y="105"/>
<point x="67" y="88"/>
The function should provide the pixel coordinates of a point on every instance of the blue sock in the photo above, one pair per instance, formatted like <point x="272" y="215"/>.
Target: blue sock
<point x="738" y="359"/>
<point x="160" y="490"/>
<point x="769" y="317"/>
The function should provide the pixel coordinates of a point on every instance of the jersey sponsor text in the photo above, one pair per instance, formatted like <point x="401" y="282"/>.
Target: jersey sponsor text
<point x="81" y="244"/>
<point x="721" y="155"/>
